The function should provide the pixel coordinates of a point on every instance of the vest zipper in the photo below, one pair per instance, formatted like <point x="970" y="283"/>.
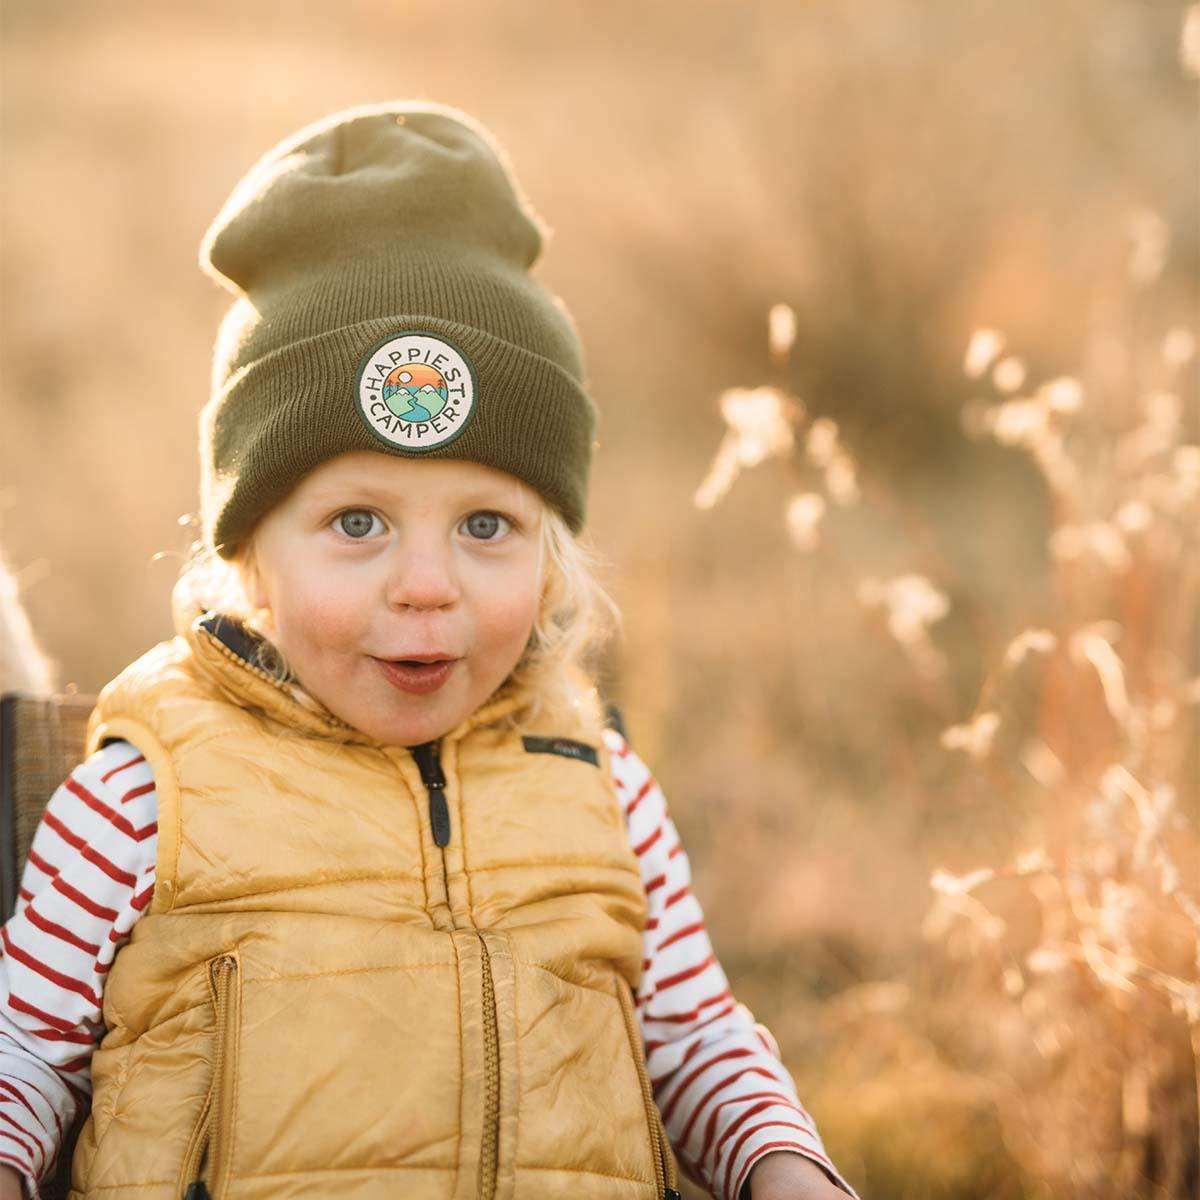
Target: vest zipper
<point x="430" y="766"/>
<point x="208" y="1141"/>
<point x="665" y="1177"/>
<point x="490" y="1150"/>
<point x="426" y="756"/>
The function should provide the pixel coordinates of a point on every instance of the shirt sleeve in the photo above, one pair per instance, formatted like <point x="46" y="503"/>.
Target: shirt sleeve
<point x="88" y="877"/>
<point x="725" y="1096"/>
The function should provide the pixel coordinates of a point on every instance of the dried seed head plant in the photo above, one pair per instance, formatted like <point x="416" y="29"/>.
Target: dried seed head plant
<point x="1108" y="985"/>
<point x="1060" y="991"/>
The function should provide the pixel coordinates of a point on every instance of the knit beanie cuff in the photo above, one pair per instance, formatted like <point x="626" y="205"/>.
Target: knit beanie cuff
<point x="274" y="421"/>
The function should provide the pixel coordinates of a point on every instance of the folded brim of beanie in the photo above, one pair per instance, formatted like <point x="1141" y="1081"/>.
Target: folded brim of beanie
<point x="285" y="413"/>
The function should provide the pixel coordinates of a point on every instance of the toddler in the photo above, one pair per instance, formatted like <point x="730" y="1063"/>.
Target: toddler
<point x="356" y="893"/>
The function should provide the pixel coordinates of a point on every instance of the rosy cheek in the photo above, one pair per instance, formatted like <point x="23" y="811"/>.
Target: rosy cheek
<point x="509" y="617"/>
<point x="318" y="611"/>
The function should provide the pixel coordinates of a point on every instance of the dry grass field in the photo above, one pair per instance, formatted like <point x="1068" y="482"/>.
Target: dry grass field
<point x="891" y="313"/>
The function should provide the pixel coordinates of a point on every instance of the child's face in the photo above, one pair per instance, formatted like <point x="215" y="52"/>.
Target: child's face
<point x="375" y="558"/>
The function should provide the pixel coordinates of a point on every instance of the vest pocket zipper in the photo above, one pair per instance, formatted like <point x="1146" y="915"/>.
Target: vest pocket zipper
<point x="204" y="1165"/>
<point x="665" y="1177"/>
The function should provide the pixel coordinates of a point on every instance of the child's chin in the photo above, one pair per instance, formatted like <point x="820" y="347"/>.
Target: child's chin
<point x="407" y="721"/>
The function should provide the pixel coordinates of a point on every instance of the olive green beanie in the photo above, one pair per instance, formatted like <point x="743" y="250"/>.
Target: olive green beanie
<point x="380" y="258"/>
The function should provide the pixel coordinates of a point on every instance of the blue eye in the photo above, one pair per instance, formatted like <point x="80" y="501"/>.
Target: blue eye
<point x="357" y="522"/>
<point x="483" y="525"/>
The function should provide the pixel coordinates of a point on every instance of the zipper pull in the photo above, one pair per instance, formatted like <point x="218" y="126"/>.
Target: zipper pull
<point x="671" y="1194"/>
<point x="196" y="1191"/>
<point x="435" y="783"/>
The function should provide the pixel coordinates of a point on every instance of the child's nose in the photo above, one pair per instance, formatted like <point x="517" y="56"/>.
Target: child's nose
<point x="424" y="580"/>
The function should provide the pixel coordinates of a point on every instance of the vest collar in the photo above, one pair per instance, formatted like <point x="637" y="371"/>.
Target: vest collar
<point x="226" y="649"/>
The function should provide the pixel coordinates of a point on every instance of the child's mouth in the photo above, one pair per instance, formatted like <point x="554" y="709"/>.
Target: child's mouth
<point x="419" y="678"/>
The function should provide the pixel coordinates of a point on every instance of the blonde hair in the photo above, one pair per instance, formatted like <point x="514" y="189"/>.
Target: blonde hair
<point x="555" y="675"/>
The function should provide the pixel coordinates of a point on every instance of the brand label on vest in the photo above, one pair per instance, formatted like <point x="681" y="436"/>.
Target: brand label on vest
<point x="564" y="746"/>
<point x="415" y="390"/>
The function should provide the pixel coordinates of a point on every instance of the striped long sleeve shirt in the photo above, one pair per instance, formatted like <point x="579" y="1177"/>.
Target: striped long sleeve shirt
<point x="724" y="1094"/>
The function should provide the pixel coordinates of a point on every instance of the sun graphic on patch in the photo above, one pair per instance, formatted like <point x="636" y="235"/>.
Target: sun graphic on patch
<point x="415" y="393"/>
<point x="415" y="390"/>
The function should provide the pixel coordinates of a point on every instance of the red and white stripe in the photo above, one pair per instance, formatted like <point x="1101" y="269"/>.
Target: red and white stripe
<point x="725" y="1096"/>
<point x="89" y="876"/>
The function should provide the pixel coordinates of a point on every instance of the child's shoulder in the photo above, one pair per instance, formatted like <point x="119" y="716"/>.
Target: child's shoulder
<point x="151" y="663"/>
<point x="172" y="688"/>
<point x="618" y="747"/>
<point x="155" y="669"/>
<point x="116" y="774"/>
<point x="630" y="773"/>
<point x="620" y="750"/>
<point x="107" y="803"/>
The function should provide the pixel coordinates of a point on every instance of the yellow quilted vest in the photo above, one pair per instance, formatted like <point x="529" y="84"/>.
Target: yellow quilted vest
<point x="367" y="970"/>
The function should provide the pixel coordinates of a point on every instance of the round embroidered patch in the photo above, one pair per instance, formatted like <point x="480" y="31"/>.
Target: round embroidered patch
<point x="415" y="390"/>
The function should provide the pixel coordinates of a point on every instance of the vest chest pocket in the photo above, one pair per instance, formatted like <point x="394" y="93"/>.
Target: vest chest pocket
<point x="660" y="1148"/>
<point x="206" y="1162"/>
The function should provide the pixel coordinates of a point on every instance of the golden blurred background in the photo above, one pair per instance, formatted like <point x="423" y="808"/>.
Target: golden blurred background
<point x="918" y="666"/>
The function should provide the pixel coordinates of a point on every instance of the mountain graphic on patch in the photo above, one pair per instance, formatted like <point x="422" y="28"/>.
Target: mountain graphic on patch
<point x="415" y="392"/>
